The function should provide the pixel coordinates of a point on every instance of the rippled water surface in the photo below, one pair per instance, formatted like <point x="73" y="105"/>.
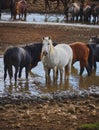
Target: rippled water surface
<point x="36" y="85"/>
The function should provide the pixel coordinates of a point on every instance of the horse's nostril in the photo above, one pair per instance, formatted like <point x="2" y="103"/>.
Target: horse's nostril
<point x="44" y="53"/>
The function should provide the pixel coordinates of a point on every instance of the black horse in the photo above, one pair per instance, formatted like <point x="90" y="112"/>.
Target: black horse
<point x="27" y="56"/>
<point x="7" y="4"/>
<point x="19" y="57"/>
<point x="94" y="45"/>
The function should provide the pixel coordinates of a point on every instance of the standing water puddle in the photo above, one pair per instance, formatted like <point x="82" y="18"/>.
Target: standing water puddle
<point x="36" y="83"/>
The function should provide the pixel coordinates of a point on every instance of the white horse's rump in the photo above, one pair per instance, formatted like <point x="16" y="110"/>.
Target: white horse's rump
<point x="56" y="58"/>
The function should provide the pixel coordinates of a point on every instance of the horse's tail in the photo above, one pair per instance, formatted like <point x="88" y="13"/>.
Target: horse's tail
<point x="90" y="58"/>
<point x="7" y="66"/>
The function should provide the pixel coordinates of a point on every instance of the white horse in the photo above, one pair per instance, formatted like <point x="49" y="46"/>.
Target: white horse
<point x="74" y="10"/>
<point x="56" y="58"/>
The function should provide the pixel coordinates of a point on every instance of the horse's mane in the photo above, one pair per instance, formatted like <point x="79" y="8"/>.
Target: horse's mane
<point x="34" y="49"/>
<point x="76" y="4"/>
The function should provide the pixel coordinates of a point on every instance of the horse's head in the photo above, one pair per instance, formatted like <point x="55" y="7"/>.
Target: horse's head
<point x="70" y="8"/>
<point x="93" y="39"/>
<point x="47" y="45"/>
<point x="74" y="8"/>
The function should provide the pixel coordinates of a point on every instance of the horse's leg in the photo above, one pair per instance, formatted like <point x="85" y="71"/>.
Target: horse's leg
<point x="26" y="71"/>
<point x="10" y="72"/>
<point x="20" y="72"/>
<point x="25" y="16"/>
<point x="61" y="73"/>
<point x="0" y="14"/>
<point x="81" y="67"/>
<point x="16" y="71"/>
<point x="68" y="70"/>
<point x="19" y="15"/>
<point x="84" y="64"/>
<point x="5" y="72"/>
<point x="47" y="74"/>
<point x="77" y="18"/>
<point x="95" y="65"/>
<point x="55" y="73"/>
<point x="88" y="70"/>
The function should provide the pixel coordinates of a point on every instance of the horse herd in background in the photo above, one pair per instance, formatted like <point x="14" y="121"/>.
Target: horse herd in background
<point x="74" y="11"/>
<point x="82" y="12"/>
<point x="16" y="8"/>
<point x="58" y="57"/>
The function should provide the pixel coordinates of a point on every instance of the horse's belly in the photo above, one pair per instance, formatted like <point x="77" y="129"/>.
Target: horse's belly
<point x="63" y="58"/>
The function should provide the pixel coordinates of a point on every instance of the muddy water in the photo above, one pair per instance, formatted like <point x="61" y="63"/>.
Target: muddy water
<point x="36" y="85"/>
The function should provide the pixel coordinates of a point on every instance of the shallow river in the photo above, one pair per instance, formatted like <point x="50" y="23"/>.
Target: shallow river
<point x="36" y="85"/>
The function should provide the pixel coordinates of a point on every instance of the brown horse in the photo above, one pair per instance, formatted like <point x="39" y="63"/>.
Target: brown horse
<point x="21" y="9"/>
<point x="81" y="53"/>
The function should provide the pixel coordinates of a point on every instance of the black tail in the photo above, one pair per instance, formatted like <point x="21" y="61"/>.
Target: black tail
<point x="7" y="66"/>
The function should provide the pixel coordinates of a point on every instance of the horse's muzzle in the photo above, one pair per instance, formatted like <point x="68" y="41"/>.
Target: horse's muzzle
<point x="44" y="53"/>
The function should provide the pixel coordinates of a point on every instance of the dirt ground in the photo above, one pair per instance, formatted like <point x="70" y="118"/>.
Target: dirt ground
<point x="64" y="114"/>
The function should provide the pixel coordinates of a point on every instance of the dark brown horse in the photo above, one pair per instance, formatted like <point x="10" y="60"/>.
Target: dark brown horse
<point x="81" y="53"/>
<point x="87" y="12"/>
<point x="7" y="4"/>
<point x="21" y="9"/>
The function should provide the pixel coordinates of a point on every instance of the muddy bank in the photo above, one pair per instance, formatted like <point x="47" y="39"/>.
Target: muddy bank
<point x="67" y="114"/>
<point x="18" y="34"/>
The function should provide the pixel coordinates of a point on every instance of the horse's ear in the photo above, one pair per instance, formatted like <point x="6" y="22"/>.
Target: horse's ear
<point x="49" y="38"/>
<point x="43" y="38"/>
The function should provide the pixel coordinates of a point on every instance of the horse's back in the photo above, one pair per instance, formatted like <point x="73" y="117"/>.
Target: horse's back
<point x="96" y="53"/>
<point x="79" y="46"/>
<point x="5" y="4"/>
<point x="80" y="50"/>
<point x="64" y="51"/>
<point x="64" y="47"/>
<point x="13" y="55"/>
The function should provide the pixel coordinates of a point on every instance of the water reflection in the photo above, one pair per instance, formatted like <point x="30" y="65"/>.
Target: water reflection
<point x="36" y="84"/>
